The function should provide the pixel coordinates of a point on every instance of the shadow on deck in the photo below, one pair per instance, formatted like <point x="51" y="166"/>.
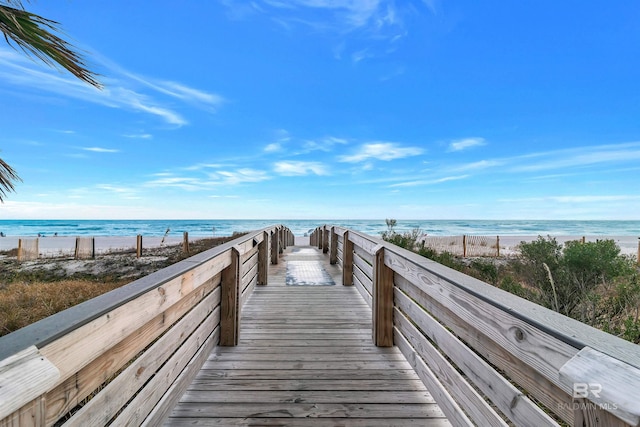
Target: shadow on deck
<point x="306" y="357"/>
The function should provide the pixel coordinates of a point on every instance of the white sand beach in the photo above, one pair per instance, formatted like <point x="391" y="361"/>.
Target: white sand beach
<point x="66" y="244"/>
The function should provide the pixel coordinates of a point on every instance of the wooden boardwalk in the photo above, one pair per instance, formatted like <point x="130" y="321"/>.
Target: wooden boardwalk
<point x="305" y="357"/>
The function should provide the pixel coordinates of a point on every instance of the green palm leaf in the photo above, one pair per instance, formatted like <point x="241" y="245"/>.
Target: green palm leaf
<point x="7" y="177"/>
<point x="35" y="36"/>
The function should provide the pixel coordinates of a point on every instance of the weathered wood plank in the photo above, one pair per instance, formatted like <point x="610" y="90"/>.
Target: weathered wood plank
<point x="382" y="308"/>
<point x="349" y="384"/>
<point x="102" y="407"/>
<point x="311" y="422"/>
<point x="306" y="410"/>
<point x="291" y="362"/>
<point x="521" y="373"/>
<point x="311" y="396"/>
<point x="75" y="350"/>
<point x="230" y="301"/>
<point x="144" y="402"/>
<point x="458" y="387"/>
<point x="611" y="384"/>
<point x="24" y="377"/>
<point x="448" y="404"/>
<point x="511" y="401"/>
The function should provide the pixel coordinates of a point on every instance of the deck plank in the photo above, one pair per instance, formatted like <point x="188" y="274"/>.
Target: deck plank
<point x="305" y="357"/>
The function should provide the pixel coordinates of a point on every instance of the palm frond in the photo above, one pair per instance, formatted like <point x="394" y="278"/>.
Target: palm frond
<point x="7" y="177"/>
<point x="35" y="36"/>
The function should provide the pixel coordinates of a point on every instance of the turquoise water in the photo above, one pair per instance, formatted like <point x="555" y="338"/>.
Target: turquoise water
<point x="206" y="228"/>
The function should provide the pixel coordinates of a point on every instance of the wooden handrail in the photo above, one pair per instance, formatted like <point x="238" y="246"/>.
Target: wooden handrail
<point x="129" y="354"/>
<point x="507" y="348"/>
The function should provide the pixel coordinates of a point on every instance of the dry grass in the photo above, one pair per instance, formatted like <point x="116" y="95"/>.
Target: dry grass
<point x="32" y="291"/>
<point x="22" y="303"/>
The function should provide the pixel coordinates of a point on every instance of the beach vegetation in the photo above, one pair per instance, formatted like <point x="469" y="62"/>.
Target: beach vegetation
<point x="33" y="290"/>
<point x="591" y="282"/>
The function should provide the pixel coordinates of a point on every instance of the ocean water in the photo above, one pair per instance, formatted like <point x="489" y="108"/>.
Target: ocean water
<point x="210" y="228"/>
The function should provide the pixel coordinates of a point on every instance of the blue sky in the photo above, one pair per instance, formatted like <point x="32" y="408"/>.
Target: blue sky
<point x="330" y="109"/>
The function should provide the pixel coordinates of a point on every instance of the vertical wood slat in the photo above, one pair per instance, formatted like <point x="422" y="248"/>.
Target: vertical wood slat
<point x="185" y="242"/>
<point x="274" y="247"/>
<point x="325" y="240"/>
<point x="347" y="260"/>
<point x="263" y="260"/>
<point x="230" y="300"/>
<point x="333" y="248"/>
<point x="138" y="246"/>
<point x="382" y="309"/>
<point x="283" y="241"/>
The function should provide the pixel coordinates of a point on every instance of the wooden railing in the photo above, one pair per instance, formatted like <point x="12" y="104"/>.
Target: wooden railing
<point x="126" y="357"/>
<point x="488" y="357"/>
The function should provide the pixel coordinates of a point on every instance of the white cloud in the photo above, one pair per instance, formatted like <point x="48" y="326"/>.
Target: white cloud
<point x="273" y="147"/>
<point x="581" y="157"/>
<point x="100" y="150"/>
<point x="292" y="168"/>
<point x="463" y="144"/>
<point x="323" y="144"/>
<point x="428" y="182"/>
<point x="118" y="89"/>
<point x="139" y="136"/>
<point x="242" y="175"/>
<point x="381" y="151"/>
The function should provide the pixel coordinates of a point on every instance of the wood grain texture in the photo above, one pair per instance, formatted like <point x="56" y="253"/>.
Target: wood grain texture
<point x="305" y="353"/>
<point x="24" y="377"/>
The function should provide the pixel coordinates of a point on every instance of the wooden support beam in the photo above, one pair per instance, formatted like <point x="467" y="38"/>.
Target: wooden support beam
<point x="263" y="260"/>
<point x="230" y="301"/>
<point x="185" y="242"/>
<point x="138" y="246"/>
<point x="347" y="260"/>
<point x="333" y="248"/>
<point x="274" y="247"/>
<point x="325" y="240"/>
<point x="382" y="309"/>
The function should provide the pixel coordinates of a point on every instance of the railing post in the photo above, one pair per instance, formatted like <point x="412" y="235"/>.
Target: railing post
<point x="325" y="240"/>
<point x="347" y="260"/>
<point x="138" y="245"/>
<point x="382" y="309"/>
<point x="283" y="241"/>
<point x="333" y="252"/>
<point x="464" y="246"/>
<point x="320" y="237"/>
<point x="274" y="247"/>
<point x="230" y="301"/>
<point x="263" y="260"/>
<point x="185" y="242"/>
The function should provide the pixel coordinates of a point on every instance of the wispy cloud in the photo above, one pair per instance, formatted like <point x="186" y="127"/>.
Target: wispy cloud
<point x="323" y="144"/>
<point x="242" y="175"/>
<point x="380" y="151"/>
<point x="428" y="182"/>
<point x="580" y="157"/>
<point x="138" y="135"/>
<point x="100" y="149"/>
<point x="298" y="168"/>
<point x="463" y="144"/>
<point x="119" y="92"/>
<point x="273" y="147"/>
<point x="374" y="21"/>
